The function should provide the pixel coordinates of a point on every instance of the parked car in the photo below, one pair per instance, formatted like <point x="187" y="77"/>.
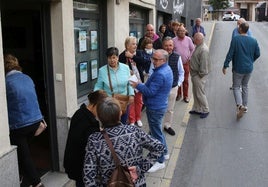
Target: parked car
<point x="230" y="16"/>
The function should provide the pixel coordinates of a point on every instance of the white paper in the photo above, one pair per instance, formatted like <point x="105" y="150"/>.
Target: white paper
<point x="133" y="78"/>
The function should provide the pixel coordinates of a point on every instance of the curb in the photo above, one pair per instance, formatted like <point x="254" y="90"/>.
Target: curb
<point x="178" y="144"/>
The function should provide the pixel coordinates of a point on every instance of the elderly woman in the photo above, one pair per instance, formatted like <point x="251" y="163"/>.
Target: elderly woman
<point x="134" y="59"/>
<point x="129" y="143"/>
<point x="119" y="74"/>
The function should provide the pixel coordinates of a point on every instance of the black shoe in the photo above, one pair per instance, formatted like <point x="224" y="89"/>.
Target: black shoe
<point x="143" y="107"/>
<point x="194" y="112"/>
<point x="169" y="131"/>
<point x="204" y="115"/>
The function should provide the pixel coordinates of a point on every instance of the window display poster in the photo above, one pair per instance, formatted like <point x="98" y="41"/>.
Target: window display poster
<point x="83" y="66"/>
<point x="94" y="69"/>
<point x="82" y="41"/>
<point x="94" y="40"/>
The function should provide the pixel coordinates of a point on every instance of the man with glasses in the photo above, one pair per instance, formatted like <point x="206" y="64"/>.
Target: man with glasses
<point x="155" y="97"/>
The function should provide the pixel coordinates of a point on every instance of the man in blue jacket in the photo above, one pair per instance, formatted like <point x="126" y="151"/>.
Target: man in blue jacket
<point x="243" y="51"/>
<point x="155" y="97"/>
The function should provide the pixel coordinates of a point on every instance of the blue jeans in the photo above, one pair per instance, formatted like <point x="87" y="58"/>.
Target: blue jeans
<point x="241" y="81"/>
<point x="155" y="118"/>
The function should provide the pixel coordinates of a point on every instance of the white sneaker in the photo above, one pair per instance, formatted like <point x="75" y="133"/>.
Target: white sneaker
<point x="166" y="157"/>
<point x="139" y="123"/>
<point x="132" y="124"/>
<point x="157" y="166"/>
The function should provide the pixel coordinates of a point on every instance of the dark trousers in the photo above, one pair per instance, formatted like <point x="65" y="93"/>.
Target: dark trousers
<point x="19" y="137"/>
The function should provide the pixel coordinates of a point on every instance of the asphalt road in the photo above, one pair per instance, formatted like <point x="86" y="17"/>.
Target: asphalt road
<point x="220" y="151"/>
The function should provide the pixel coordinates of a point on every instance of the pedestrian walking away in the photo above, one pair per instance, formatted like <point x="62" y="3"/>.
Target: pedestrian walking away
<point x="243" y="52"/>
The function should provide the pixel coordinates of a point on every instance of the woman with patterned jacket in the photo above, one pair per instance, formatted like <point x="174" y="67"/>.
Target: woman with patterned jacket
<point x="128" y="141"/>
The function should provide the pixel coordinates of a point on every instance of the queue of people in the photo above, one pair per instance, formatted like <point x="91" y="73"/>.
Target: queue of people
<point x="161" y="65"/>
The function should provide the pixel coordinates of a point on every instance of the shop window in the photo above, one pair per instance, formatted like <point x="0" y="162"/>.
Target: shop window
<point x="87" y="44"/>
<point x="138" y="18"/>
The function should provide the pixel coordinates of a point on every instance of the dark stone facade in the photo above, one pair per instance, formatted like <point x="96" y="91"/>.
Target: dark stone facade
<point x="185" y="11"/>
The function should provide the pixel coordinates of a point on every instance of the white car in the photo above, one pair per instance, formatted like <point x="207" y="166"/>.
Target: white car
<point x="230" y="16"/>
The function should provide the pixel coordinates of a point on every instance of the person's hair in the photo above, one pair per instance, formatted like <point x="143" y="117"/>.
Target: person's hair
<point x="161" y="26"/>
<point x="163" y="52"/>
<point x="145" y="42"/>
<point x="112" y="51"/>
<point x="11" y="63"/>
<point x="176" y="23"/>
<point x="108" y="112"/>
<point x="198" y="19"/>
<point x="244" y="27"/>
<point x="96" y="96"/>
<point x="167" y="38"/>
<point x="129" y="39"/>
<point x="199" y="37"/>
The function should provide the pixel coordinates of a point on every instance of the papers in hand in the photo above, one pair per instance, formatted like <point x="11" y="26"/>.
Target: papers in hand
<point x="133" y="78"/>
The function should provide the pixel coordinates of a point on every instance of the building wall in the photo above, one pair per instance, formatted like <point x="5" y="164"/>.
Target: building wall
<point x="64" y="65"/>
<point x="9" y="175"/>
<point x="64" y="68"/>
<point x="118" y="20"/>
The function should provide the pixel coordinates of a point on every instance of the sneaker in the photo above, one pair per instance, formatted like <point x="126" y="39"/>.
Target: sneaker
<point x="239" y="112"/>
<point x="132" y="124"/>
<point x="166" y="157"/>
<point x="139" y="123"/>
<point x="157" y="166"/>
<point x="170" y="131"/>
<point x="245" y="109"/>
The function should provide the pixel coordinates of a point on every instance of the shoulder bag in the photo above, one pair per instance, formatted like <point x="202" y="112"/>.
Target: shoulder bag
<point x="123" y="99"/>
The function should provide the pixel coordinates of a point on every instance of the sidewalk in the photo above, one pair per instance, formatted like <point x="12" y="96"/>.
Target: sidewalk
<point x="163" y="177"/>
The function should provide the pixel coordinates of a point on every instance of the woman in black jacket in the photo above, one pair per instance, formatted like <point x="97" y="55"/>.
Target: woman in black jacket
<point x="83" y="123"/>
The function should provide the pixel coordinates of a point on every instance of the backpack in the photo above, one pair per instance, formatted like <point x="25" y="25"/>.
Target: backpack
<point x="120" y="176"/>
